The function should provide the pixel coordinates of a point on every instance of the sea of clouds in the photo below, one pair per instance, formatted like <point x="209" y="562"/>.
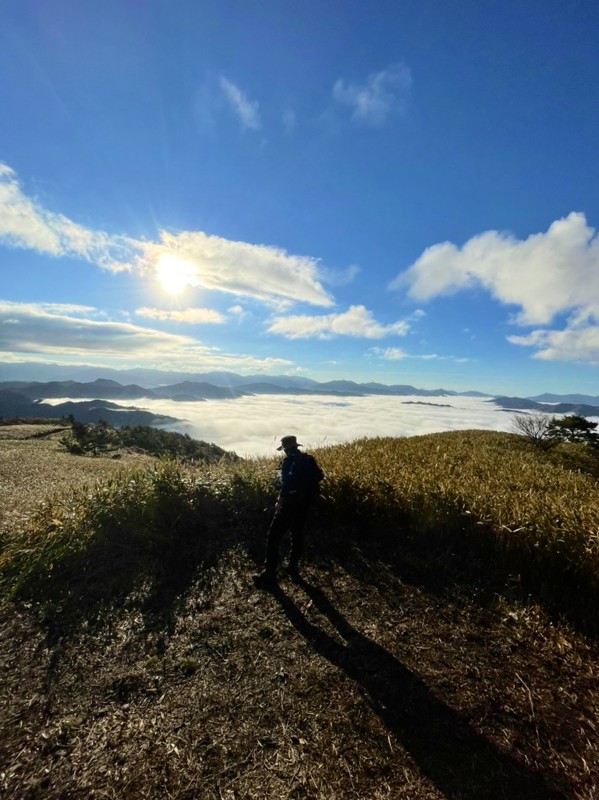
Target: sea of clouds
<point x="253" y="426"/>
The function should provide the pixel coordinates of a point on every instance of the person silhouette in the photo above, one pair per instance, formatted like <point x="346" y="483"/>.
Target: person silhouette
<point x="299" y="479"/>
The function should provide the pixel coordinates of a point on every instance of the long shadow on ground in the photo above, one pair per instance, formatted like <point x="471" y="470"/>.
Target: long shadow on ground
<point x="460" y="762"/>
<point x="442" y="562"/>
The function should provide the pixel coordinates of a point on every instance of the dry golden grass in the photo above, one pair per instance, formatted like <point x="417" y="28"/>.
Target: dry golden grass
<point x="538" y="516"/>
<point x="34" y="466"/>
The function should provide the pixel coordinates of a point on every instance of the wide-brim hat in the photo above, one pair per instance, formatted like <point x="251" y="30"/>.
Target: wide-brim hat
<point x="287" y="442"/>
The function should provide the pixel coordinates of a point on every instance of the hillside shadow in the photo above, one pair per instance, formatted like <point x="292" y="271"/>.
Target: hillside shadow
<point x="448" y="563"/>
<point x="460" y="762"/>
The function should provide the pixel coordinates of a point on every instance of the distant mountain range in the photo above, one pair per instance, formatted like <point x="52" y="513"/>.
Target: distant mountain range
<point x="15" y="404"/>
<point x="215" y="385"/>
<point x="191" y="390"/>
<point x="527" y="404"/>
<point x="18" y="374"/>
<point x="21" y="398"/>
<point x="567" y="398"/>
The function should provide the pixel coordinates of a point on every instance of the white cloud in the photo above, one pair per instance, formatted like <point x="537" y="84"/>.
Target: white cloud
<point x="544" y="275"/>
<point x="356" y="321"/>
<point x="266" y="273"/>
<point x="201" y="316"/>
<point x="42" y="331"/>
<point x="25" y="224"/>
<point x="389" y="353"/>
<point x="245" y="110"/>
<point x="397" y="354"/>
<point x="384" y="92"/>
<point x="572" y="344"/>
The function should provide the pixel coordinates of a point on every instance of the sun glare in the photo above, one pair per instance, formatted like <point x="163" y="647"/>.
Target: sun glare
<point x="174" y="274"/>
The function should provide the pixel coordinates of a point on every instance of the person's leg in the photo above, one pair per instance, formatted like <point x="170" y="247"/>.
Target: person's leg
<point x="297" y="528"/>
<point x="278" y="527"/>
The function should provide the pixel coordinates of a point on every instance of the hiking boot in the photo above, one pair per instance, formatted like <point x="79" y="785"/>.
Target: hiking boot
<point x="264" y="580"/>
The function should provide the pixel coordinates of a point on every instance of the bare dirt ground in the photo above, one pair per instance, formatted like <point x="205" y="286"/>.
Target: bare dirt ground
<point x="360" y="681"/>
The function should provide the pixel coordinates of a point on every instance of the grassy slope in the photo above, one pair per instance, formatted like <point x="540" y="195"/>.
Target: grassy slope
<point x="33" y="465"/>
<point x="424" y="675"/>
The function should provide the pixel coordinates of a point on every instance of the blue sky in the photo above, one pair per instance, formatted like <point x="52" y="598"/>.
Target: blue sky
<point x="404" y="192"/>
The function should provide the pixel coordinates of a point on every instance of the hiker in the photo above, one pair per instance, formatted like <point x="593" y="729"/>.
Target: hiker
<point x="299" y="481"/>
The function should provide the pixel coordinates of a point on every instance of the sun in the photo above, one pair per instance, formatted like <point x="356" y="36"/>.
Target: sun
<point x="174" y="274"/>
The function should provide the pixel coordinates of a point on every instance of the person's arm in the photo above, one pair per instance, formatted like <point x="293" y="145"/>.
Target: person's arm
<point x="286" y="477"/>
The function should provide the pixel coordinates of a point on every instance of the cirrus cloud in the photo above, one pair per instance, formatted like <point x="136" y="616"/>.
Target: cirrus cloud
<point x="245" y="110"/>
<point x="383" y="93"/>
<point x="265" y="273"/>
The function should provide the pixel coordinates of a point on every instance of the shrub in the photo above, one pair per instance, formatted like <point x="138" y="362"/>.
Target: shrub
<point x="535" y="427"/>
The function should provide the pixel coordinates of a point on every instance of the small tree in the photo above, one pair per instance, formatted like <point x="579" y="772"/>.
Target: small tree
<point x="574" y="428"/>
<point x="103" y="437"/>
<point x="93" y="438"/>
<point x="536" y="427"/>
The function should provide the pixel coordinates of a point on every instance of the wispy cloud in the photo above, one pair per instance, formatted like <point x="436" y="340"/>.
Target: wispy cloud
<point x="357" y="321"/>
<point x="45" y="331"/>
<point x="244" y="109"/>
<point x="265" y="273"/>
<point x="289" y="118"/>
<point x="339" y="277"/>
<point x="383" y="93"/>
<point x="397" y="354"/>
<point x="195" y="316"/>
<point x="546" y="275"/>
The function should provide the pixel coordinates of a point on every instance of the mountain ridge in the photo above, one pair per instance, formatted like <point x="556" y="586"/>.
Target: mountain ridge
<point x="91" y="382"/>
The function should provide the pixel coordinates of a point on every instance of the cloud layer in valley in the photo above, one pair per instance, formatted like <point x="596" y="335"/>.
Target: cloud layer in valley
<point x="253" y="425"/>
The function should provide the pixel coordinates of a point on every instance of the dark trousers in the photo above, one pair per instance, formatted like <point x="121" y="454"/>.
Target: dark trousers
<point x="291" y="515"/>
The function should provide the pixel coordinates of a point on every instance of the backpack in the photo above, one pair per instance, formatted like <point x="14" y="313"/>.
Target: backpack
<point x="306" y="473"/>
